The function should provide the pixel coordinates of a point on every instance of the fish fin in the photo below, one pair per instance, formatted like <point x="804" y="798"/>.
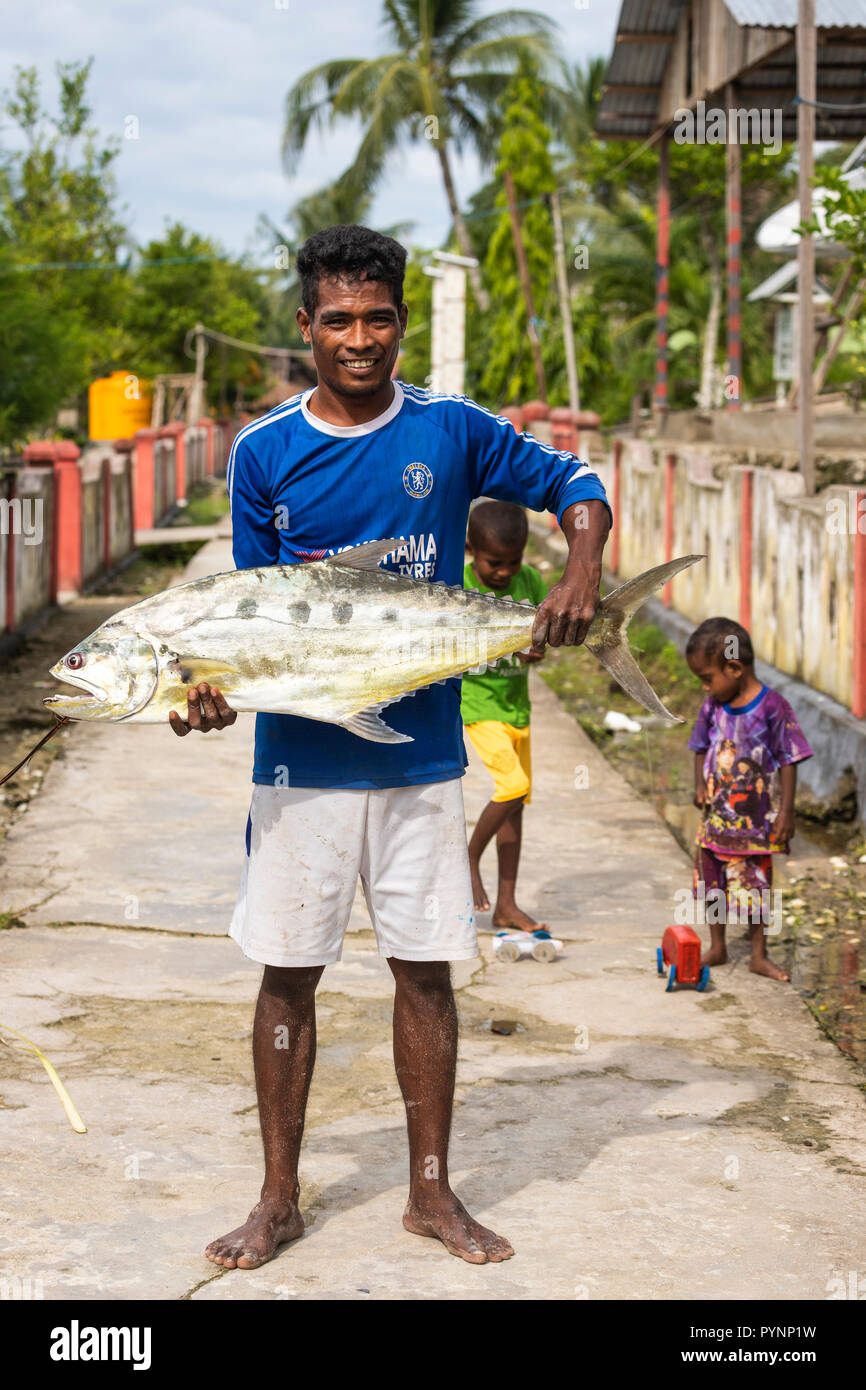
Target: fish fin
<point x="628" y="598"/>
<point x="614" y="655"/>
<point x="364" y="557"/>
<point x="370" y="725"/>
<point x="619" y="661"/>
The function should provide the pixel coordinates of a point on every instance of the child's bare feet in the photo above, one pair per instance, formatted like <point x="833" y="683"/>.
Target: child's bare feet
<point x="515" y="919"/>
<point x="479" y="897"/>
<point x="762" y="966"/>
<point x="716" y="955"/>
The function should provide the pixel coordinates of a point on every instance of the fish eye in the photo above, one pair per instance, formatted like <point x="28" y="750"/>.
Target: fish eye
<point x="75" y="661"/>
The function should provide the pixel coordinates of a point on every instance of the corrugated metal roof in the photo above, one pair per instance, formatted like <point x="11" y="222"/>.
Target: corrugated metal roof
<point x="650" y="16"/>
<point x="643" y="64"/>
<point x="782" y="14"/>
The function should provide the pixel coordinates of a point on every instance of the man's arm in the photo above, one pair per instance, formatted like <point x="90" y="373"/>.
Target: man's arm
<point x="518" y="468"/>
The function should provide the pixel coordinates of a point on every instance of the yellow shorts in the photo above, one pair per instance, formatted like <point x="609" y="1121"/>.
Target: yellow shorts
<point x="505" y="750"/>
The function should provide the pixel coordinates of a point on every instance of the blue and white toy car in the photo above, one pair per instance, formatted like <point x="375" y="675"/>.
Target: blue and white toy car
<point x="514" y="945"/>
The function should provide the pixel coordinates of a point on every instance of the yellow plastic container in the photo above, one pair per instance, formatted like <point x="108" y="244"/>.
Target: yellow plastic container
<point x="118" y="405"/>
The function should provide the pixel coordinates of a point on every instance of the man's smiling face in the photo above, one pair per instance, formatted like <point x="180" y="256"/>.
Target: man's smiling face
<point x="355" y="335"/>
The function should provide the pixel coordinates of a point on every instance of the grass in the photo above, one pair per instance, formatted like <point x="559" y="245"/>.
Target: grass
<point x="152" y="570"/>
<point x="207" y="503"/>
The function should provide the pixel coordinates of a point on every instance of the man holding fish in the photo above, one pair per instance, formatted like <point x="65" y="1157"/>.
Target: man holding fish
<point x="360" y="458"/>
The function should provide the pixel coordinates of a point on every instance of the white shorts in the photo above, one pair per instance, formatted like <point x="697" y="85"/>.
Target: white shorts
<point x="306" y="847"/>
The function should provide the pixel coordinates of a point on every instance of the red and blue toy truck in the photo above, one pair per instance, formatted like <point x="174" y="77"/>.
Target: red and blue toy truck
<point x="681" y="950"/>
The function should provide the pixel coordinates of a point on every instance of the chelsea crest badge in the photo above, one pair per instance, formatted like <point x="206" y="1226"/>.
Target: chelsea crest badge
<point x="417" y="479"/>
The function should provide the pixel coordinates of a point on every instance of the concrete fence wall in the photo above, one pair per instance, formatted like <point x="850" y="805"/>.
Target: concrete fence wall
<point x="790" y="568"/>
<point x="26" y="552"/>
<point x="67" y="517"/>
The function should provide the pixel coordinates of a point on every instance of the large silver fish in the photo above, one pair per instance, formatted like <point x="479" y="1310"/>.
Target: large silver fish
<point x="335" y="640"/>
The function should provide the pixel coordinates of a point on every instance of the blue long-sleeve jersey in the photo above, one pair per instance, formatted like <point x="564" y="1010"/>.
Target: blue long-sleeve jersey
<point x="301" y="489"/>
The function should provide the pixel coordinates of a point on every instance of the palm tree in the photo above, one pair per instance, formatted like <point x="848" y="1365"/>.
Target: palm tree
<point x="441" y="82"/>
<point x="576" y="102"/>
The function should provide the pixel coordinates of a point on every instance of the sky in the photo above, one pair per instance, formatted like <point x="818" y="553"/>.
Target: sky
<point x="207" y="83"/>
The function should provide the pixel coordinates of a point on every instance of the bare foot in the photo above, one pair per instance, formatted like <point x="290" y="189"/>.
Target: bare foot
<point x="446" y="1219"/>
<point x="515" y="919"/>
<point x="762" y="966"/>
<point x="716" y="955"/>
<point x="271" y="1223"/>
<point x="479" y="897"/>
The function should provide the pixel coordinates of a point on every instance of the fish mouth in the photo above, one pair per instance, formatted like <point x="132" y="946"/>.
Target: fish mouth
<point x="84" y="697"/>
<point x="85" y="692"/>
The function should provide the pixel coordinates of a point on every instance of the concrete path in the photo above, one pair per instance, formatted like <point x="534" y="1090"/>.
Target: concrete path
<point x="632" y="1144"/>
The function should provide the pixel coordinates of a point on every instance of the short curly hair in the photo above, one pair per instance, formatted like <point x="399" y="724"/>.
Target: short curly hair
<point x="352" y="253"/>
<point x="502" y="522"/>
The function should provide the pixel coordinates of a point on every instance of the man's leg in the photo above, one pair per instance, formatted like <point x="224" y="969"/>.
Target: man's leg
<point x="284" y="1052"/>
<point x="425" y="1056"/>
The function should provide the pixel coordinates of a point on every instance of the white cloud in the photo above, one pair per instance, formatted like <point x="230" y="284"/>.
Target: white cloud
<point x="207" y="83"/>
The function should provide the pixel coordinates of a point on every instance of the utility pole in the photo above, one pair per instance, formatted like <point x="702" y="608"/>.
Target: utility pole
<point x="523" y="270"/>
<point x="197" y="401"/>
<point x="663" y="233"/>
<point x="448" y="329"/>
<point x="733" y="219"/>
<point x="564" y="303"/>
<point x="806" y="88"/>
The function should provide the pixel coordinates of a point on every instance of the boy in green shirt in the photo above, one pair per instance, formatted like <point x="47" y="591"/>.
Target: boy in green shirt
<point x="495" y="705"/>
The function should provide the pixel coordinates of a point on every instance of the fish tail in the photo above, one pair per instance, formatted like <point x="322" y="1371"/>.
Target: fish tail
<point x="610" y="642"/>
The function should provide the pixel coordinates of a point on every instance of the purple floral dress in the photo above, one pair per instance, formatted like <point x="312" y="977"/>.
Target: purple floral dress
<point x="745" y="747"/>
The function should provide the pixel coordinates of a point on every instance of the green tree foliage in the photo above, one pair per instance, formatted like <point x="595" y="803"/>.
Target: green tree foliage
<point x="611" y="211"/>
<point x="523" y="149"/>
<point x="844" y="212"/>
<point x="440" y="83"/>
<point x="843" y="209"/>
<point x="418" y="293"/>
<point x="185" y="278"/>
<point x="71" y="306"/>
<point x="575" y="104"/>
<point x="61" y="235"/>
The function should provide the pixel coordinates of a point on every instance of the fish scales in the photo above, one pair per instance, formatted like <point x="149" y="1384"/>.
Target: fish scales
<point x="335" y="640"/>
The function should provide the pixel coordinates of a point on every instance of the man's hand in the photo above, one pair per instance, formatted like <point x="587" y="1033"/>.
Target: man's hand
<point x="208" y="710"/>
<point x="564" y="617"/>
